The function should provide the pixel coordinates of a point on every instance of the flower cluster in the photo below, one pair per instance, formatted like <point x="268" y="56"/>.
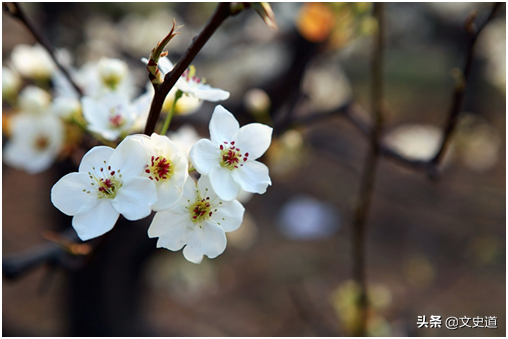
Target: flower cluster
<point x="145" y="174"/>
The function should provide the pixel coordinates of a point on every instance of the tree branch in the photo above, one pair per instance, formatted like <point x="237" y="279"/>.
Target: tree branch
<point x="460" y="87"/>
<point x="368" y="178"/>
<point x="222" y="12"/>
<point x="15" y="11"/>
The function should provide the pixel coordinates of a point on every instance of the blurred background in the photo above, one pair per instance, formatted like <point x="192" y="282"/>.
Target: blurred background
<point x="433" y="247"/>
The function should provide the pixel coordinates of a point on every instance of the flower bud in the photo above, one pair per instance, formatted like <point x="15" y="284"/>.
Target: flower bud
<point x="33" y="99"/>
<point x="32" y="62"/>
<point x="10" y="83"/>
<point x="66" y="107"/>
<point x="112" y="71"/>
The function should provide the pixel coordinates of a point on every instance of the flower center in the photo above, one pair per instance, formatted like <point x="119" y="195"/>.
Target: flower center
<point x="116" y="120"/>
<point x="231" y="157"/>
<point x="159" y="169"/>
<point x="41" y="143"/>
<point x="190" y="76"/>
<point x="106" y="182"/>
<point x="200" y="210"/>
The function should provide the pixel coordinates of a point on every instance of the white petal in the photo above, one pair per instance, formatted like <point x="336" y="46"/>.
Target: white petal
<point x="254" y="139"/>
<point x="204" y="185"/>
<point x="95" y="158"/>
<point x="130" y="157"/>
<point x="95" y="113"/>
<point x="167" y="195"/>
<point x="95" y="222"/>
<point x="170" y="228"/>
<point x="229" y="215"/>
<point x="252" y="177"/>
<point x="223" y="125"/>
<point x="165" y="65"/>
<point x="210" y="240"/>
<point x="70" y="195"/>
<point x="204" y="156"/>
<point x="205" y="92"/>
<point x="223" y="184"/>
<point x="134" y="198"/>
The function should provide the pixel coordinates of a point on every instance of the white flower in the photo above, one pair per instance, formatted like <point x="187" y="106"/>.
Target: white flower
<point x="106" y="76"/>
<point x="109" y="183"/>
<point x="166" y="166"/>
<point x="198" y="220"/>
<point x="34" y="100"/>
<point x="229" y="158"/>
<point x="112" y="71"/>
<point x="65" y="107"/>
<point x="32" y="62"/>
<point x="191" y="85"/>
<point x="113" y="115"/>
<point x="10" y="82"/>
<point x="35" y="142"/>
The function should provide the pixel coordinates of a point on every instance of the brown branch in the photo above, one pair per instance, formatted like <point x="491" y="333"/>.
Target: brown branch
<point x="460" y="87"/>
<point x="17" y="264"/>
<point x="15" y="11"/>
<point x="222" y="12"/>
<point x="368" y="178"/>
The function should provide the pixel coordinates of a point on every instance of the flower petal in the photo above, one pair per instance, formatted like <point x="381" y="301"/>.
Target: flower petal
<point x="95" y="222"/>
<point x="130" y="157"/>
<point x="167" y="195"/>
<point x="95" y="158"/>
<point x="70" y="195"/>
<point x="254" y="139"/>
<point x="252" y="177"/>
<point x="229" y="215"/>
<point x="170" y="228"/>
<point x="210" y="240"/>
<point x="223" y="184"/>
<point x="208" y="93"/>
<point x="134" y="198"/>
<point x="204" y="156"/>
<point x="165" y="65"/>
<point x="223" y="125"/>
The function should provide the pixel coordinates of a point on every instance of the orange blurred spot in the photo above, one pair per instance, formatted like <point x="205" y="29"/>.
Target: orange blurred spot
<point x="315" y="22"/>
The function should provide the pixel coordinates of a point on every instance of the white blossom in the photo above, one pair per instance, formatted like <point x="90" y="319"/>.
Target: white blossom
<point x="114" y="115"/>
<point x="229" y="157"/>
<point x="34" y="100"/>
<point x="106" y="76"/>
<point x="32" y="62"/>
<point x="109" y="182"/>
<point x="34" y="143"/>
<point x="11" y="82"/>
<point x="65" y="107"/>
<point x="190" y="84"/>
<point x="198" y="221"/>
<point x="166" y="166"/>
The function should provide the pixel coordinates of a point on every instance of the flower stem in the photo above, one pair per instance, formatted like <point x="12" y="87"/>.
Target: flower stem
<point x="171" y="112"/>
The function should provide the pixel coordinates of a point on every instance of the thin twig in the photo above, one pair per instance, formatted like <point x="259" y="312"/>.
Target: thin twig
<point x="460" y="87"/>
<point x="368" y="177"/>
<point x="222" y="12"/>
<point x="15" y="10"/>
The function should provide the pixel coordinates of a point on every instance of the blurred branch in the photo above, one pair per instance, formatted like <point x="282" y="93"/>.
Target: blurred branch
<point x="17" y="264"/>
<point x="15" y="11"/>
<point x="222" y="12"/>
<point x="461" y="82"/>
<point x="368" y="178"/>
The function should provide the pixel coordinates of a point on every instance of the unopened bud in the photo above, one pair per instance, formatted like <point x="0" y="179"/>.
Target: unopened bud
<point x="33" y="99"/>
<point x="112" y="71"/>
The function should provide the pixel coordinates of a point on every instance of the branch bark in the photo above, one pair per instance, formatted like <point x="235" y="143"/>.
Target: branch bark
<point x="368" y="178"/>
<point x="222" y="12"/>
